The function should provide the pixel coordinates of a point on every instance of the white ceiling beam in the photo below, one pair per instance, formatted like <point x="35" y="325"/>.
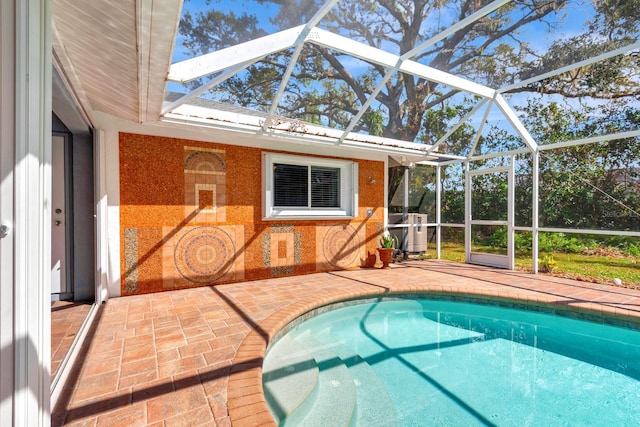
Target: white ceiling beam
<point x="499" y="154"/>
<point x="194" y="68"/>
<point x="591" y="140"/>
<point x="570" y="67"/>
<point x="513" y="118"/>
<point x="377" y="56"/>
<point x="294" y="59"/>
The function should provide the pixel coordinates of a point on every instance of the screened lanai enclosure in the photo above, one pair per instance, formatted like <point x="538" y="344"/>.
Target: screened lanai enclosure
<point x="502" y="120"/>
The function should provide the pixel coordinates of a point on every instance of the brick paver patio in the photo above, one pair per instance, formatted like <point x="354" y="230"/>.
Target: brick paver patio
<point x="193" y="357"/>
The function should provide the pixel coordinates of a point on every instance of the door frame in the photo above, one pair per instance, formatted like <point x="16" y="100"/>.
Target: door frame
<point x="68" y="217"/>
<point x="483" y="258"/>
<point x="25" y="130"/>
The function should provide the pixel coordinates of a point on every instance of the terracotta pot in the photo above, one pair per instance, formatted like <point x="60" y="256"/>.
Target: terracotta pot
<point x="386" y="255"/>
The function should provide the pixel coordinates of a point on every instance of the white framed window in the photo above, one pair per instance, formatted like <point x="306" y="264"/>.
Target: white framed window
<point x="300" y="187"/>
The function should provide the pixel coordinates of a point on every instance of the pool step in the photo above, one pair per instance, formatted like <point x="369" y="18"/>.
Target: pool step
<point x="373" y="403"/>
<point x="290" y="377"/>
<point x="335" y="402"/>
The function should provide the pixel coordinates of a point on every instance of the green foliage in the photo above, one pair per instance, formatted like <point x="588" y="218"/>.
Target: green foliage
<point x="547" y="263"/>
<point x="374" y="122"/>
<point x="600" y="269"/>
<point x="325" y="89"/>
<point x="557" y="242"/>
<point x="388" y="241"/>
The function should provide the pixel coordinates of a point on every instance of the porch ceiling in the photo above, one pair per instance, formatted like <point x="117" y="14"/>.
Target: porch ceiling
<point x="114" y="54"/>
<point x="315" y="74"/>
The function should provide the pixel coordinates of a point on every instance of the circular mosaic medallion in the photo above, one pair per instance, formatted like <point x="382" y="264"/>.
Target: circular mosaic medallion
<point x="341" y="246"/>
<point x="204" y="254"/>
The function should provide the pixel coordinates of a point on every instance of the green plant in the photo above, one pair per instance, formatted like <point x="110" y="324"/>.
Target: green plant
<point x="388" y="241"/>
<point x="547" y="263"/>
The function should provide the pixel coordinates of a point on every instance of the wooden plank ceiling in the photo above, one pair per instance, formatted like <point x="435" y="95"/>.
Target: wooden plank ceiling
<point x="114" y="55"/>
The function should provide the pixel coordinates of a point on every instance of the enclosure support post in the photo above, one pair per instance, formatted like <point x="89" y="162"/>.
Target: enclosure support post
<point x="535" y="211"/>
<point x="511" y="181"/>
<point x="438" y="210"/>
<point x="467" y="213"/>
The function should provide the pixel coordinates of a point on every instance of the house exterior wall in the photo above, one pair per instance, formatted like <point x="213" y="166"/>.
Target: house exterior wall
<point x="191" y="215"/>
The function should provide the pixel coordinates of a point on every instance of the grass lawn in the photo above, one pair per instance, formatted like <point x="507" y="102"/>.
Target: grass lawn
<point x="589" y="268"/>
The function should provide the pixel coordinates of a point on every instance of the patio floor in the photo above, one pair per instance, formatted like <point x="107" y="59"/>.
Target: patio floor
<point x="193" y="357"/>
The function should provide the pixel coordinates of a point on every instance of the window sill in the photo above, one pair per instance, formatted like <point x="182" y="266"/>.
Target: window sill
<point x="308" y="218"/>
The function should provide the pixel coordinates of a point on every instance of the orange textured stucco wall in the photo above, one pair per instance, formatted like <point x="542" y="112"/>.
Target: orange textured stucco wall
<point x="191" y="215"/>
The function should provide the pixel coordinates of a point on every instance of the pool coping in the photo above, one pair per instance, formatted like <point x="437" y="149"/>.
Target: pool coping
<point x="246" y="401"/>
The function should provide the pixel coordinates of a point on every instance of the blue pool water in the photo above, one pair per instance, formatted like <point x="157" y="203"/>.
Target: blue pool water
<point x="421" y="362"/>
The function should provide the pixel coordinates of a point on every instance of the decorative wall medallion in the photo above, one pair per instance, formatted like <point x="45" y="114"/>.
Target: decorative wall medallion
<point x="341" y="246"/>
<point x="202" y="255"/>
<point x="204" y="184"/>
<point x="281" y="249"/>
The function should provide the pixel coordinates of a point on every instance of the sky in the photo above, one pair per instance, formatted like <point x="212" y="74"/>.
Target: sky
<point x="569" y="22"/>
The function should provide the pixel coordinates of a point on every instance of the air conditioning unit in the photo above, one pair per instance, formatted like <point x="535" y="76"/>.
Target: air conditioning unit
<point x="416" y="234"/>
<point x="417" y="239"/>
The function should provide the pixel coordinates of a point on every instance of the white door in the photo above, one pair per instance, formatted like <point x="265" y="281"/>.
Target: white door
<point x="497" y="181"/>
<point x="58" y="218"/>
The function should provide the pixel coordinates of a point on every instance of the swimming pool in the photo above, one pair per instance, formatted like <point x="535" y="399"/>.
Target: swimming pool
<point x="421" y="362"/>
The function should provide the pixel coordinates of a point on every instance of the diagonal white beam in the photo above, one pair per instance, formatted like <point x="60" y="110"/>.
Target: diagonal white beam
<point x="515" y="122"/>
<point x="570" y="67"/>
<point x="454" y="28"/>
<point x="457" y="126"/>
<point x="442" y="35"/>
<point x="377" y="56"/>
<point x="294" y="59"/>
<point x="222" y="59"/>
<point x="205" y="87"/>
<point x="366" y="105"/>
<point x="480" y="129"/>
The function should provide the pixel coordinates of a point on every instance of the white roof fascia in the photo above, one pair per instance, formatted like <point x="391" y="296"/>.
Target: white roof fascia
<point x="457" y="125"/>
<point x="515" y="122"/>
<point x="377" y="56"/>
<point x="575" y="65"/>
<point x="294" y="59"/>
<point x="190" y="113"/>
<point x="157" y="26"/>
<point x="194" y="68"/>
<point x="454" y="28"/>
<point x="205" y="87"/>
<point x="287" y="135"/>
<point x="480" y="129"/>
<point x="591" y="140"/>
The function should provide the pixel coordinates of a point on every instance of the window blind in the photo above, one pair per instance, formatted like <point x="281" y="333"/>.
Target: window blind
<point x="325" y="187"/>
<point x="291" y="185"/>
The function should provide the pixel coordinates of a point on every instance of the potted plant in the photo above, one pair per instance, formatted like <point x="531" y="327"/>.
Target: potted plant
<point x="387" y="243"/>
